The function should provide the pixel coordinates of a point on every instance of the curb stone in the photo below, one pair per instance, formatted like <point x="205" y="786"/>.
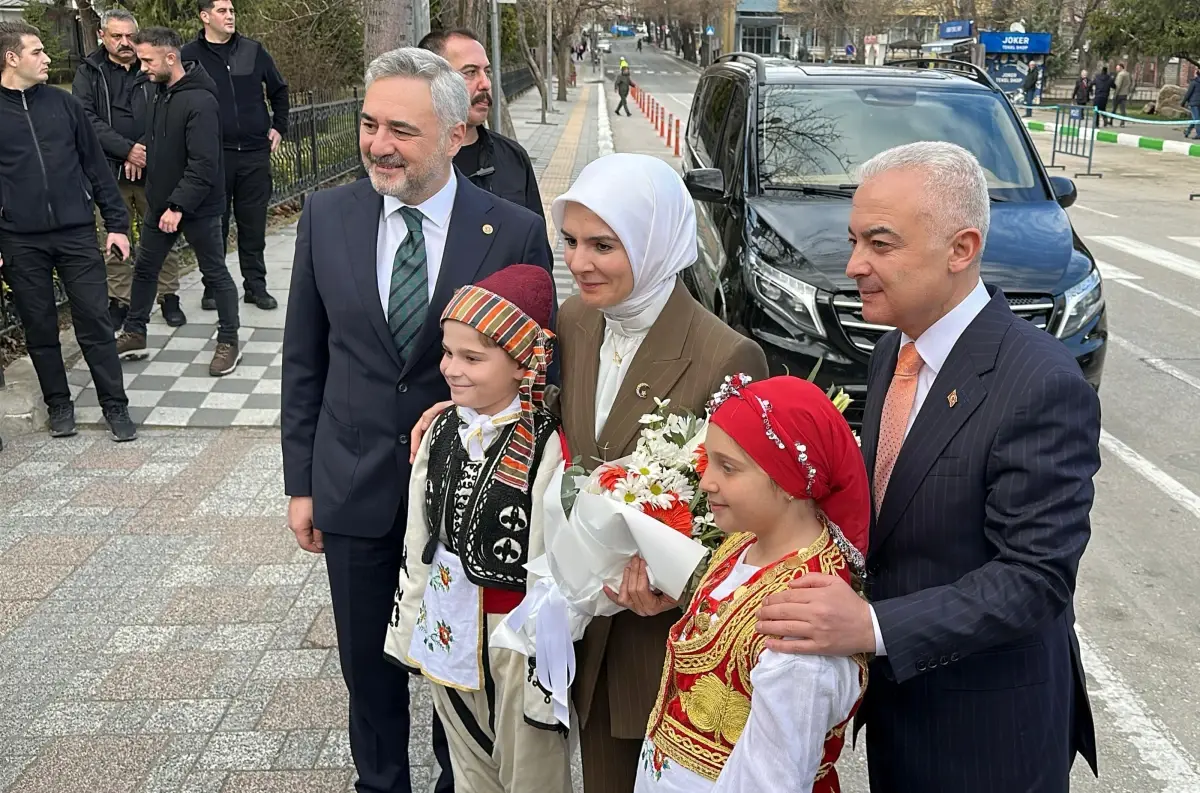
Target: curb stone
<point x="22" y="409"/>
<point x="1122" y="139"/>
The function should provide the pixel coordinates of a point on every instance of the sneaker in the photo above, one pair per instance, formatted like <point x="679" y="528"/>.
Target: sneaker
<point x="171" y="312"/>
<point x="262" y="299"/>
<point x="116" y="313"/>
<point x="62" y="420"/>
<point x="225" y="359"/>
<point x="208" y="302"/>
<point x="131" y="346"/>
<point x="120" y="426"/>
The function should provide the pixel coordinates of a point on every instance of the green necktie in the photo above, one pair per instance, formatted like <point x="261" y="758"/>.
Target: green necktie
<point x="408" y="300"/>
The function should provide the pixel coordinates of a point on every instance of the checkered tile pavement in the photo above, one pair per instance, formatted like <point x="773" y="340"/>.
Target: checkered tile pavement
<point x="173" y="388"/>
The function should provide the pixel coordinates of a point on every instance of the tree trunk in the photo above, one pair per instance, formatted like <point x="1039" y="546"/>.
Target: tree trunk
<point x="562" y="57"/>
<point x="89" y="23"/>
<point x="531" y="60"/>
<point x="386" y="26"/>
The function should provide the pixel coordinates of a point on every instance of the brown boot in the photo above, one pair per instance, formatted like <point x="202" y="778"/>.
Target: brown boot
<point x="131" y="346"/>
<point x="225" y="359"/>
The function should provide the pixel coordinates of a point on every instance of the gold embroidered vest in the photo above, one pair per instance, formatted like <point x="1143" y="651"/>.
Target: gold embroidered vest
<point x="704" y="699"/>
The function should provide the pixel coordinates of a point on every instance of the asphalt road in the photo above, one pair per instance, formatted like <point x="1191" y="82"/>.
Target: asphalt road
<point x="1139" y="583"/>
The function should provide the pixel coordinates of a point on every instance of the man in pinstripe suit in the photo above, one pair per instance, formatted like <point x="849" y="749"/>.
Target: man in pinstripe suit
<point x="981" y="438"/>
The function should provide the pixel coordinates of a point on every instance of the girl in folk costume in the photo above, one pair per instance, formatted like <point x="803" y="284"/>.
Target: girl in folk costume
<point x="473" y="523"/>
<point x="785" y="479"/>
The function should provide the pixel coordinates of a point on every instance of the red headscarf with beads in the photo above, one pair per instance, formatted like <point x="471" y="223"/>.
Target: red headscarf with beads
<point x="795" y="434"/>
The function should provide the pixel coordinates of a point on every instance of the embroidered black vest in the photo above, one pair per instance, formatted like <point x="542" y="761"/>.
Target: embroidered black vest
<point x="486" y="522"/>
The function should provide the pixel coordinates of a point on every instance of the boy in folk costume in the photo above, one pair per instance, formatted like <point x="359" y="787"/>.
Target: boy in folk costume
<point x="473" y="522"/>
<point x="785" y="479"/>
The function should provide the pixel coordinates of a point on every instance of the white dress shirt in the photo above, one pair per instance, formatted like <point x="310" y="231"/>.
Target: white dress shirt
<point x="393" y="231"/>
<point x="934" y="346"/>
<point x="622" y="339"/>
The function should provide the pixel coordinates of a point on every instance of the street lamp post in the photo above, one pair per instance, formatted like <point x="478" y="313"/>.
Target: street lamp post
<point x="497" y="88"/>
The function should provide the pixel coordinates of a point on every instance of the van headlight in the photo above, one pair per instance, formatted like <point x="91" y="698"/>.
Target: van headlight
<point x="790" y="301"/>
<point x="1083" y="301"/>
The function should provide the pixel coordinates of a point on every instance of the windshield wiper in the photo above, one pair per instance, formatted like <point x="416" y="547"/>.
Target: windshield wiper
<point x="841" y="190"/>
<point x="998" y="198"/>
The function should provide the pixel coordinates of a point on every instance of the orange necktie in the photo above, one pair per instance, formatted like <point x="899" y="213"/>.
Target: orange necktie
<point x="896" y="409"/>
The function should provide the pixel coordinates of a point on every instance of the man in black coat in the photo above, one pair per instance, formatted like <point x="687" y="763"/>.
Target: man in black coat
<point x="490" y="160"/>
<point x="241" y="67"/>
<point x="116" y="93"/>
<point x="981" y="438"/>
<point x="376" y="263"/>
<point x="184" y="194"/>
<point x="52" y="176"/>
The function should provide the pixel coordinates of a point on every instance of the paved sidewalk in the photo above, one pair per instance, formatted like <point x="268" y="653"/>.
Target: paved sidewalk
<point x="173" y="389"/>
<point x="160" y="632"/>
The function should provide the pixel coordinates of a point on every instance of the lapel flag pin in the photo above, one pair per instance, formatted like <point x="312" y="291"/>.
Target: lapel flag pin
<point x="952" y="399"/>
<point x="487" y="228"/>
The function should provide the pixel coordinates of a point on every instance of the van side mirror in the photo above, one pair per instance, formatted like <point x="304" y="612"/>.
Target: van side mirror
<point x="1065" y="191"/>
<point x="706" y="184"/>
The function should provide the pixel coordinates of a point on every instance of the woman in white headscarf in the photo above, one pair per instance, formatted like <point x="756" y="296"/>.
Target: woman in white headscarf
<point x="632" y="334"/>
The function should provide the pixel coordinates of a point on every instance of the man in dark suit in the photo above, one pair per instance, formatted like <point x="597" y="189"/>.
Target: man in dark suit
<point x="376" y="263"/>
<point x="981" y="437"/>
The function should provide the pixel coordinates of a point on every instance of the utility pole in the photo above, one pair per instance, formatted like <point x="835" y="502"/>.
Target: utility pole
<point x="497" y="88"/>
<point x="549" y="55"/>
<point x="420" y="20"/>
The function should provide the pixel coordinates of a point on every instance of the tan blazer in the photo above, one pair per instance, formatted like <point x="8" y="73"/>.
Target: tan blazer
<point x="685" y="356"/>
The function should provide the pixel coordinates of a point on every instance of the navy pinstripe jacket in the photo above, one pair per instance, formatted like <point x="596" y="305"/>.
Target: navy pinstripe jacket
<point x="972" y="566"/>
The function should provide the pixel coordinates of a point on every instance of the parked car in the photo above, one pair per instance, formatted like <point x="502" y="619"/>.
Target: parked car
<point x="770" y="156"/>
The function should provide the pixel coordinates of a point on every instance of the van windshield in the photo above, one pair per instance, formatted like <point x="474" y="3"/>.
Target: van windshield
<point x="819" y="135"/>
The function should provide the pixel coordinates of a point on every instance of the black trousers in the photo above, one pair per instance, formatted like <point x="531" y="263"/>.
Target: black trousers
<point x="362" y="580"/>
<point x="247" y="193"/>
<point x="30" y="261"/>
<point x="203" y="234"/>
<point x="621" y="104"/>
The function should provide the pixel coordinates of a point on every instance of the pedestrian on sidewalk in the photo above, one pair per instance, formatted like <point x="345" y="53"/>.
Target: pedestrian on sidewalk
<point x="184" y="193"/>
<point x="1029" y="88"/>
<point x="490" y="160"/>
<point x="377" y="261"/>
<point x="1191" y="100"/>
<point x="1123" y="88"/>
<point x="54" y="174"/>
<point x="241" y="67"/>
<point x="1103" y="85"/>
<point x="624" y="82"/>
<point x="115" y="93"/>
<point x="1082" y="94"/>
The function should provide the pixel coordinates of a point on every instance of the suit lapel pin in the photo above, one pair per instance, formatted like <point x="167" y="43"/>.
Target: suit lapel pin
<point x="642" y="390"/>
<point x="487" y="228"/>
<point x="952" y="398"/>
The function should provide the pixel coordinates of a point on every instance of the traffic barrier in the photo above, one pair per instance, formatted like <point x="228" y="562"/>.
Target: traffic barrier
<point x="670" y="123"/>
<point x="1075" y="136"/>
<point x="661" y="121"/>
<point x="676" y="137"/>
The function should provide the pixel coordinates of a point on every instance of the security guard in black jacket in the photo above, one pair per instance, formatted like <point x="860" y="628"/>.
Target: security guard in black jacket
<point x="115" y="94"/>
<point x="52" y="175"/>
<point x="240" y="68"/>
<point x="185" y="193"/>
<point x="496" y="163"/>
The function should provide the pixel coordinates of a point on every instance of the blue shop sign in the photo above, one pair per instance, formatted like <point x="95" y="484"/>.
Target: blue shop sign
<point x="1028" y="43"/>
<point x="956" y="29"/>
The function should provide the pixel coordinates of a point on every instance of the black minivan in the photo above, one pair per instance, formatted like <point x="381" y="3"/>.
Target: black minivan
<point x="770" y="156"/>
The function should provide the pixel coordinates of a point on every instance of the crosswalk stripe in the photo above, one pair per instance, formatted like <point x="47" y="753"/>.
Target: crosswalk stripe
<point x="1111" y="272"/>
<point x="1155" y="255"/>
<point x="1193" y="241"/>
